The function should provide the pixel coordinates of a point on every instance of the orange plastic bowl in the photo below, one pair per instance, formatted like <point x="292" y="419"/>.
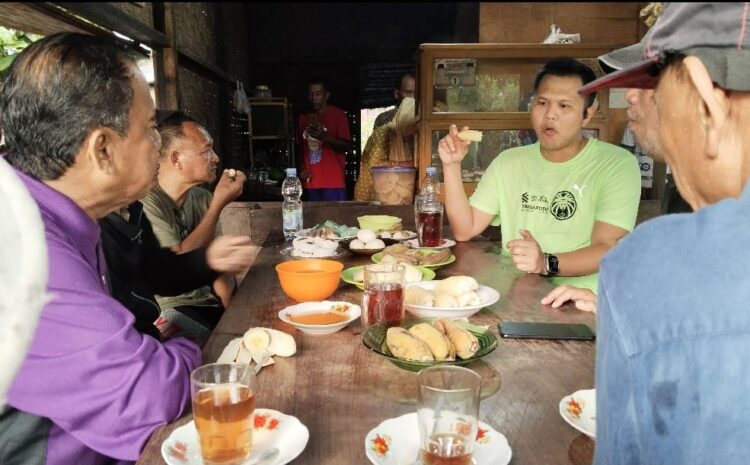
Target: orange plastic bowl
<point x="310" y="279"/>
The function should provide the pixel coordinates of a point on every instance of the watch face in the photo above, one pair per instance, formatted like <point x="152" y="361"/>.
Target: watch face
<point x="553" y="264"/>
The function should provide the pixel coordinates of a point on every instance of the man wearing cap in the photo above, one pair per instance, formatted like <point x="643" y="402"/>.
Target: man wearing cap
<point x="562" y="202"/>
<point x="673" y="328"/>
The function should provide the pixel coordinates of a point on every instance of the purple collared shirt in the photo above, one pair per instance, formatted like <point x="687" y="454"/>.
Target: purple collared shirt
<point x="104" y="386"/>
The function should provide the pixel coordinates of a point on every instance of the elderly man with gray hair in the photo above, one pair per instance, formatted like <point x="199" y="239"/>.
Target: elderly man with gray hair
<point x="673" y="328"/>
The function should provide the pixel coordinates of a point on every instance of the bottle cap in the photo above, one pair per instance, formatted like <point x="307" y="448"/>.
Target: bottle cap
<point x="431" y="171"/>
<point x="291" y="172"/>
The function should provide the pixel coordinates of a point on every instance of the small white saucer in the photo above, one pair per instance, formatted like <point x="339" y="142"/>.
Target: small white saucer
<point x="445" y="243"/>
<point x="390" y="443"/>
<point x="579" y="410"/>
<point x="270" y="429"/>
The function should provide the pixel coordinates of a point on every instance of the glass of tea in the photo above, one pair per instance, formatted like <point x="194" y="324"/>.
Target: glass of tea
<point x="383" y="299"/>
<point x="223" y="403"/>
<point x="447" y="411"/>
<point x="429" y="222"/>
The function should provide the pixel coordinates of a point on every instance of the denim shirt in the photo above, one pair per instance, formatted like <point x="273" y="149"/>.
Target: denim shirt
<point x="673" y="341"/>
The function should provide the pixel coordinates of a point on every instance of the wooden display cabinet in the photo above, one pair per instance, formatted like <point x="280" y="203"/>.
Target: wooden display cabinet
<point x="493" y="97"/>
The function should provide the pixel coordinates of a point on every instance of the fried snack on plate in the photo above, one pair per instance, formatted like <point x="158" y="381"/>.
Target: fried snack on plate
<point x="438" y="342"/>
<point x="404" y="344"/>
<point x="466" y="344"/>
<point x="470" y="135"/>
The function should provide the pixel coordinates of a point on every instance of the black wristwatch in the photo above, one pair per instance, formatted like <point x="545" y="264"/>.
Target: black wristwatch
<point x="551" y="264"/>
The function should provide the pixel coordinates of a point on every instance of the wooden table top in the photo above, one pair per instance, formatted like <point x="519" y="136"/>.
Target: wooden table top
<point x="341" y="390"/>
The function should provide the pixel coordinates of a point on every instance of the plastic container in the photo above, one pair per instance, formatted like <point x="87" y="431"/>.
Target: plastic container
<point x="394" y="185"/>
<point x="291" y="208"/>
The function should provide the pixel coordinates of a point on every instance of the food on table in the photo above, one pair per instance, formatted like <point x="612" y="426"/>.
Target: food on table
<point x="393" y="187"/>
<point x="457" y="285"/>
<point x="436" y="340"/>
<point x="398" y="253"/>
<point x="423" y="342"/>
<point x="402" y="235"/>
<point x="338" y="313"/>
<point x="412" y="274"/>
<point x="417" y="296"/>
<point x="313" y="247"/>
<point x="466" y="344"/>
<point x="453" y="292"/>
<point x="331" y="230"/>
<point x="404" y="344"/>
<point x="367" y="240"/>
<point x="470" y="135"/>
<point x="386" y="235"/>
<point x="260" y="345"/>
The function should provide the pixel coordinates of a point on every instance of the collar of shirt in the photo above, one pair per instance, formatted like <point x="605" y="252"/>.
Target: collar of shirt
<point x="66" y="215"/>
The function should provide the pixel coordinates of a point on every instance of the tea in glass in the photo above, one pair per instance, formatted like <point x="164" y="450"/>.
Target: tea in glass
<point x="430" y="228"/>
<point x="383" y="299"/>
<point x="447" y="411"/>
<point x="223" y="405"/>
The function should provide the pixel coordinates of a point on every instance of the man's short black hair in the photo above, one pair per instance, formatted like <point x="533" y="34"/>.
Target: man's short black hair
<point x="402" y="77"/>
<point x="566" y="67"/>
<point x="57" y="91"/>
<point x="317" y="81"/>
<point x="170" y="127"/>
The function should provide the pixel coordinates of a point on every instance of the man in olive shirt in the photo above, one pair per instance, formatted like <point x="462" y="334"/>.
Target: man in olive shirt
<point x="185" y="217"/>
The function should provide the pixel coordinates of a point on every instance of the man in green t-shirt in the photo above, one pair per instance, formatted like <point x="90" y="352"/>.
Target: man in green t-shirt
<point x="185" y="216"/>
<point x="561" y="202"/>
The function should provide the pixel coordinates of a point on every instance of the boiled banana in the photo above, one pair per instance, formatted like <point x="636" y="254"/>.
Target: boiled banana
<point x="466" y="344"/>
<point x="439" y="344"/>
<point x="404" y="344"/>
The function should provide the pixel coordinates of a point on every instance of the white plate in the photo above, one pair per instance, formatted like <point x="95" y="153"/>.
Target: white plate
<point x="445" y="243"/>
<point x="312" y="307"/>
<point x="396" y="442"/>
<point x="411" y="235"/>
<point x="270" y="429"/>
<point x="585" y="421"/>
<point x="488" y="295"/>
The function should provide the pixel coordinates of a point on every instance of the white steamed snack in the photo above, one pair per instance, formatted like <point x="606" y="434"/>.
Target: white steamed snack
<point x="468" y="299"/>
<point x="385" y="235"/>
<point x="366" y="235"/>
<point x="402" y="234"/>
<point x="317" y="247"/>
<point x="411" y="273"/>
<point x="456" y="285"/>
<point x="357" y="244"/>
<point x="445" y="300"/>
<point x="375" y="244"/>
<point x="359" y="276"/>
<point x="415" y="295"/>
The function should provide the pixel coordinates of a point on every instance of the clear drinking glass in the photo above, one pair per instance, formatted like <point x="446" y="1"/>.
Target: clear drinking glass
<point x="223" y="403"/>
<point x="448" y="411"/>
<point x="383" y="299"/>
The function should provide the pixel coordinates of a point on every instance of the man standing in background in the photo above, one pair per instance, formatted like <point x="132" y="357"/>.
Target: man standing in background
<point x="324" y="138"/>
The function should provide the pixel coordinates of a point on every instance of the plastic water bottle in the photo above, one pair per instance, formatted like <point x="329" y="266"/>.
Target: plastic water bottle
<point x="291" y="209"/>
<point x="429" y="211"/>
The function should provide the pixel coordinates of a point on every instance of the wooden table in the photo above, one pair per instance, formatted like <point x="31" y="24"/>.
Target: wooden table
<point x="341" y="390"/>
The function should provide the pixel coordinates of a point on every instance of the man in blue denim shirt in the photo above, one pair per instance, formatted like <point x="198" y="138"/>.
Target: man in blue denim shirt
<point x="673" y="328"/>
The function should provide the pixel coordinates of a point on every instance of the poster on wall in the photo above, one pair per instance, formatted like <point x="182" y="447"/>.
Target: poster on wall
<point x="453" y="72"/>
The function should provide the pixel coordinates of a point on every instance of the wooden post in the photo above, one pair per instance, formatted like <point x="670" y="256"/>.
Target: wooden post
<point x="165" y="60"/>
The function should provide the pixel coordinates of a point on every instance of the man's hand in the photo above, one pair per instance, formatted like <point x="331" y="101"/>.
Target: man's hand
<point x="230" y="254"/>
<point x="229" y="188"/>
<point x="526" y="253"/>
<point x="317" y="131"/>
<point x="584" y="299"/>
<point x="452" y="150"/>
<point x="305" y="175"/>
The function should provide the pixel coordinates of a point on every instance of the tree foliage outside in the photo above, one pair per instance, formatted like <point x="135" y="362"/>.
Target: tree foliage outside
<point x="12" y="42"/>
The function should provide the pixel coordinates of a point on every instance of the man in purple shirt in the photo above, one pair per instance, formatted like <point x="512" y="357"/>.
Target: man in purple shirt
<point x="80" y="129"/>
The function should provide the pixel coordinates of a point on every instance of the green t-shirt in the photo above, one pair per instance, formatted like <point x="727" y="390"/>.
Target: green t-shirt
<point x="560" y="202"/>
<point x="171" y="225"/>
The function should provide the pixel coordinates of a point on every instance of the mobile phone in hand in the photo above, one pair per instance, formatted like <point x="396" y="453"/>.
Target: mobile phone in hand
<point x="555" y="331"/>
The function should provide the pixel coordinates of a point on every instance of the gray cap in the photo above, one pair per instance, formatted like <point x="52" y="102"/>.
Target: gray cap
<point x="717" y="33"/>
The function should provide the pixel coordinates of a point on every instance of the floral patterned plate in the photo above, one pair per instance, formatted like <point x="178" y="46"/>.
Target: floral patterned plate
<point x="579" y="410"/>
<point x="396" y="442"/>
<point x="270" y="429"/>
